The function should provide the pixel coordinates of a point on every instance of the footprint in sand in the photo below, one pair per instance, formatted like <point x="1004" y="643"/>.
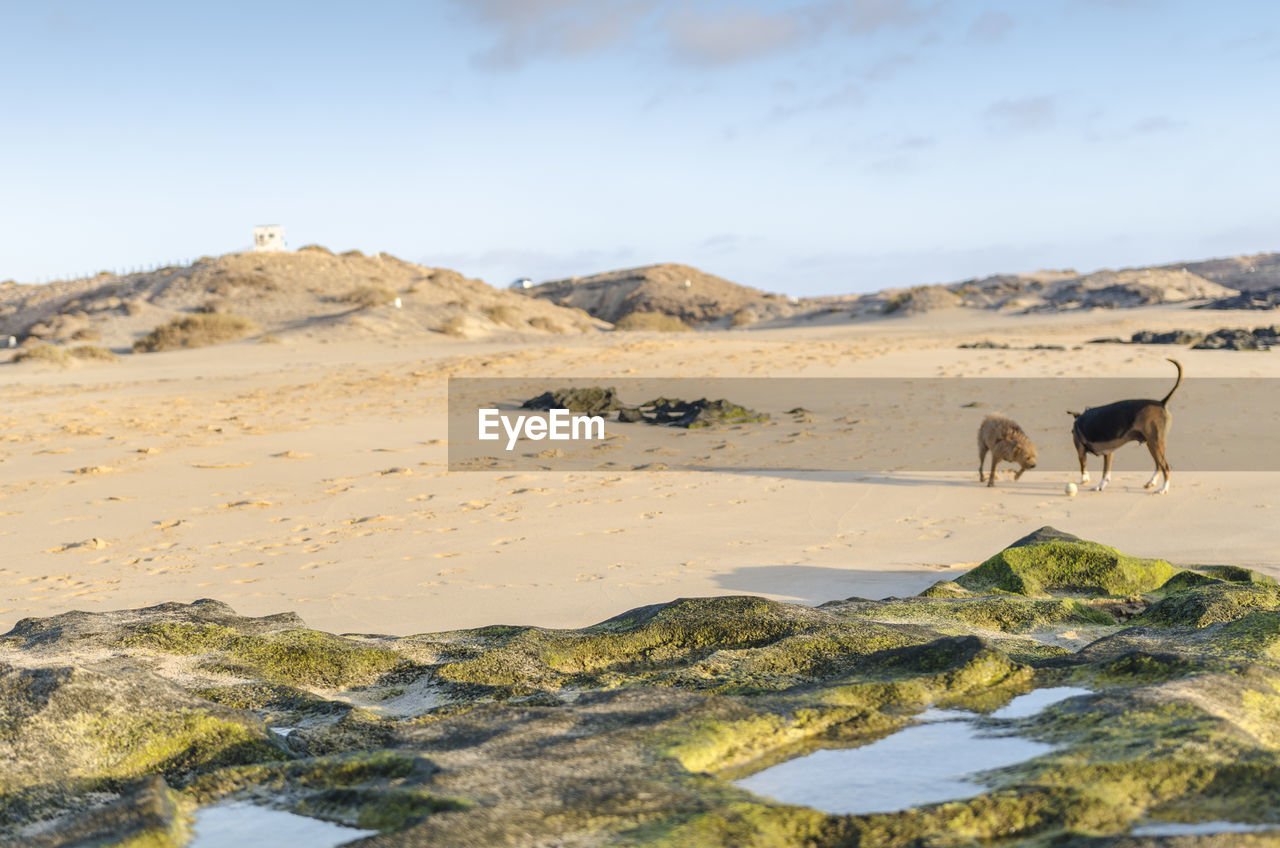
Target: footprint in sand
<point x="368" y="519"/>
<point x="94" y="544"/>
<point x="587" y="578"/>
<point x="163" y="546"/>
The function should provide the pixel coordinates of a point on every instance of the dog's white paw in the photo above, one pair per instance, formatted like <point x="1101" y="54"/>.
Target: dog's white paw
<point x="1163" y="490"/>
<point x="1102" y="484"/>
<point x="1084" y="478"/>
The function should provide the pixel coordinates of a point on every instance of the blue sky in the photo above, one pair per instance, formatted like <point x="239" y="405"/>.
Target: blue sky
<point x="807" y="147"/>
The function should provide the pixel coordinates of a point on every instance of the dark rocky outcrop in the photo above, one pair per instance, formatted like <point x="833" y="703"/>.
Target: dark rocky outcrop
<point x="691" y="415"/>
<point x="1260" y="338"/>
<point x="589" y="401"/>
<point x="1258" y="300"/>
<point x="1178" y="337"/>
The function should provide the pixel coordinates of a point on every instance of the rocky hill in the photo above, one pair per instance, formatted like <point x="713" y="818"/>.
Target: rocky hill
<point x="311" y="292"/>
<point x="1242" y="273"/>
<point x="679" y="291"/>
<point x="696" y="298"/>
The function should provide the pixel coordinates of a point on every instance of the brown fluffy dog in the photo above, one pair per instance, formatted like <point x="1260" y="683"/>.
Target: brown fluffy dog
<point x="1007" y="442"/>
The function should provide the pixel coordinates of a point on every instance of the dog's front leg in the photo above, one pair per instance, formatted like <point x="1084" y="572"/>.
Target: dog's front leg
<point x="1154" y="475"/>
<point x="1106" y="473"/>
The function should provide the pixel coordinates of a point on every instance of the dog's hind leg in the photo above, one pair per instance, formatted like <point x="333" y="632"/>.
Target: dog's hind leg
<point x="1106" y="473"/>
<point x="982" y="457"/>
<point x="991" y="478"/>
<point x="1156" y="447"/>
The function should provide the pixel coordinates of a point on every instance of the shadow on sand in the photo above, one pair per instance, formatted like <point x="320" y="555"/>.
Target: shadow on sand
<point x="816" y="584"/>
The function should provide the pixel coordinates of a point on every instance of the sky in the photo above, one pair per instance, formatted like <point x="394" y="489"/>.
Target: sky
<point x="807" y="147"/>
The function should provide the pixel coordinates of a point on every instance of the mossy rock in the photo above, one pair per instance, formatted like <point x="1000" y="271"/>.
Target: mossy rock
<point x="66" y="732"/>
<point x="1138" y="668"/>
<point x="640" y="642"/>
<point x="1003" y="613"/>
<point x="592" y="400"/>
<point x="1042" y="569"/>
<point x="630" y="731"/>
<point x="945" y="589"/>
<point x="1211" y="603"/>
<point x="954" y="670"/>
<point x="294" y="657"/>
<point x="148" y="814"/>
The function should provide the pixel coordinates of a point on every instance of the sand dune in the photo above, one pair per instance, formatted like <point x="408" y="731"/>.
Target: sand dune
<point x="310" y="293"/>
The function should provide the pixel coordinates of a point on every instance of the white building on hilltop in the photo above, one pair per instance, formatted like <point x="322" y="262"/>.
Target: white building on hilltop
<point x="268" y="238"/>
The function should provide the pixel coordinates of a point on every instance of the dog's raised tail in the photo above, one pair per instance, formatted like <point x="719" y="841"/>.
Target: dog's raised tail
<point x="1178" y="365"/>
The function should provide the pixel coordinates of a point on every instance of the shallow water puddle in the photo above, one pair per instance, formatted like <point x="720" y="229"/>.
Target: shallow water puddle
<point x="1199" y="828"/>
<point x="243" y="825"/>
<point x="930" y="761"/>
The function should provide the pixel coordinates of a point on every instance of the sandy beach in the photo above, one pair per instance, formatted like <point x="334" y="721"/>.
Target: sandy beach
<point x="311" y="475"/>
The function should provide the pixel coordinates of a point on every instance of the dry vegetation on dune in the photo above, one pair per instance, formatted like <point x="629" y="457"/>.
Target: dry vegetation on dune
<point x="93" y="352"/>
<point x="367" y="297"/>
<point x="652" y="321"/>
<point x="64" y="357"/>
<point x="45" y="353"/>
<point x="199" y="330"/>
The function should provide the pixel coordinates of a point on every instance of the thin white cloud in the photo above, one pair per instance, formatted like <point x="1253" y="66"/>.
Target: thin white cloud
<point x="720" y="38"/>
<point x="526" y="30"/>
<point x="1157" y="124"/>
<point x="991" y="27"/>
<point x="701" y="33"/>
<point x="888" y="67"/>
<point x="1022" y="114"/>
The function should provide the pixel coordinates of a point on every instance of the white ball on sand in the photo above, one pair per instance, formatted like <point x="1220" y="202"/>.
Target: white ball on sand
<point x="1071" y="490"/>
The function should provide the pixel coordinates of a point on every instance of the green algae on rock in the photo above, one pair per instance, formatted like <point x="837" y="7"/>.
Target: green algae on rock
<point x="625" y="733"/>
<point x="1050" y="567"/>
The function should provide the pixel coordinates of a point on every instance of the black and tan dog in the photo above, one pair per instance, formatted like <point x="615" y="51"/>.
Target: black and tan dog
<point x="1100" y="430"/>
